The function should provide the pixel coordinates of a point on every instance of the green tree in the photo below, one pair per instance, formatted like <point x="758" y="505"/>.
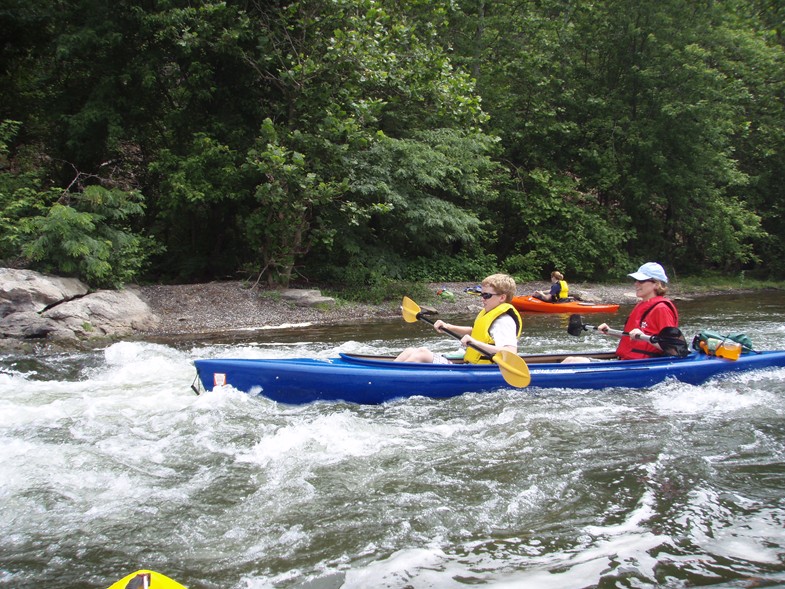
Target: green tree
<point x="360" y="85"/>
<point x="663" y="115"/>
<point x="87" y="237"/>
<point x="413" y="199"/>
<point x="279" y="227"/>
<point x="403" y="137"/>
<point x="200" y="193"/>
<point x="84" y="230"/>
<point x="753" y="52"/>
<point x="634" y="105"/>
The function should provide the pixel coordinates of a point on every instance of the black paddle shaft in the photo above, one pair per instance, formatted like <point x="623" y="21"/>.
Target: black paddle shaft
<point x="485" y="353"/>
<point x="670" y="339"/>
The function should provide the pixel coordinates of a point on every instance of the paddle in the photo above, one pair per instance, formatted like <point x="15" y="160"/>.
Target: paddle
<point x="512" y="366"/>
<point x="670" y="339"/>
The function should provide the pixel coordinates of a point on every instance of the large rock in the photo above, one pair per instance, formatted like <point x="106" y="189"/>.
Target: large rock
<point x="25" y="290"/>
<point x="34" y="305"/>
<point x="31" y="325"/>
<point x="307" y="297"/>
<point x="106" y="312"/>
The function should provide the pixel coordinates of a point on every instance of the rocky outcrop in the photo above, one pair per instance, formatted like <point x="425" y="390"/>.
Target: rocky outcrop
<point x="307" y="297"/>
<point x="35" y="305"/>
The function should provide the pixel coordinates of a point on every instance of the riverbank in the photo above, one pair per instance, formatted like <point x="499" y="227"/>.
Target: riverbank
<point x="216" y="307"/>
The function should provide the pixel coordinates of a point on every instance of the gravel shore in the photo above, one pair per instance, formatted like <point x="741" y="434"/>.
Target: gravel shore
<point x="226" y="306"/>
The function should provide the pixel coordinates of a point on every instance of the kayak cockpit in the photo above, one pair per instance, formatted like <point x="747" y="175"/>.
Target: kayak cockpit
<point x="529" y="358"/>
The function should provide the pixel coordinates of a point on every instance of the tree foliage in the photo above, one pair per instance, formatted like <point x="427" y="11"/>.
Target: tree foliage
<point x="363" y="141"/>
<point x="85" y="238"/>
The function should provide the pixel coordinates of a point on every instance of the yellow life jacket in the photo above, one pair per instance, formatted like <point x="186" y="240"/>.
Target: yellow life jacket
<point x="481" y="330"/>
<point x="564" y="292"/>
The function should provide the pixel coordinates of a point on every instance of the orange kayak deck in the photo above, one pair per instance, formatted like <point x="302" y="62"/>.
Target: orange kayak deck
<point x="532" y="305"/>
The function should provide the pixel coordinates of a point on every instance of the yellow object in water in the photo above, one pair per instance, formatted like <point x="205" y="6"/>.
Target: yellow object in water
<point x="146" y="580"/>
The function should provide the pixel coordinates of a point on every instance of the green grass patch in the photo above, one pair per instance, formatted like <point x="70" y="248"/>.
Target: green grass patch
<point x="382" y="291"/>
<point x="713" y="282"/>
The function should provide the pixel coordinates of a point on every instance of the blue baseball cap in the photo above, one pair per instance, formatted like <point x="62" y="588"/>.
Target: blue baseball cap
<point x="650" y="270"/>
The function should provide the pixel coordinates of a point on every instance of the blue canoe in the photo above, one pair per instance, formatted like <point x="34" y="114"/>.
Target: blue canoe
<point x="376" y="379"/>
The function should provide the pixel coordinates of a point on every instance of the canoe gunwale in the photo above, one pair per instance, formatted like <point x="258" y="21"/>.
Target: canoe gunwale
<point x="529" y="358"/>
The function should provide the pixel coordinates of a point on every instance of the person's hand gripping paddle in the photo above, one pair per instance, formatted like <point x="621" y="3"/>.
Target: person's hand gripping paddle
<point x="670" y="339"/>
<point x="512" y="366"/>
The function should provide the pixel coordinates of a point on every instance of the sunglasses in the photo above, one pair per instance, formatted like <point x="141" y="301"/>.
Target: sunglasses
<point x="487" y="295"/>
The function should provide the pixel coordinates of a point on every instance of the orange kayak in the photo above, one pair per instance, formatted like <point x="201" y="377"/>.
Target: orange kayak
<point x="533" y="305"/>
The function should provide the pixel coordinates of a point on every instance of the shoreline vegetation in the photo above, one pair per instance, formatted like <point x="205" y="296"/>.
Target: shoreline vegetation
<point x="226" y="306"/>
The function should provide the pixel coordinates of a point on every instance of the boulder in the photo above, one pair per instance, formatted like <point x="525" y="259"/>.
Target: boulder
<point x="104" y="313"/>
<point x="35" y="305"/>
<point x="303" y="297"/>
<point x="25" y="290"/>
<point x="31" y="325"/>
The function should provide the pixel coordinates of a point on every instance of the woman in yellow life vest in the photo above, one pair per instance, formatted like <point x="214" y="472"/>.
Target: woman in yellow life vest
<point x="497" y="327"/>
<point x="559" y="289"/>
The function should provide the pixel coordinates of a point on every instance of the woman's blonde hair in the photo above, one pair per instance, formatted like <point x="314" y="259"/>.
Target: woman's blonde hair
<point x="502" y="284"/>
<point x="557" y="275"/>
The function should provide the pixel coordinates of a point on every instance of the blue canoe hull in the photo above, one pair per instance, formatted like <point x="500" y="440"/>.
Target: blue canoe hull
<point x="374" y="380"/>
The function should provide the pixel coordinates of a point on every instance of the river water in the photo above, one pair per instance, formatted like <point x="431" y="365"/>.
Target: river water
<point x="109" y="463"/>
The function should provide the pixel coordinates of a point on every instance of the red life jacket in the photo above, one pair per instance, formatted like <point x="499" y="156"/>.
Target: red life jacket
<point x="629" y="349"/>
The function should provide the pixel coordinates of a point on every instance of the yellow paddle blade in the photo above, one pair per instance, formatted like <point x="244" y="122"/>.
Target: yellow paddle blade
<point x="410" y="310"/>
<point x="514" y="368"/>
<point x="146" y="580"/>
